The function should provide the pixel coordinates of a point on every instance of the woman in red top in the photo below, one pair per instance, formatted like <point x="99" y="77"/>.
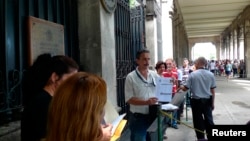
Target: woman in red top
<point x="172" y="73"/>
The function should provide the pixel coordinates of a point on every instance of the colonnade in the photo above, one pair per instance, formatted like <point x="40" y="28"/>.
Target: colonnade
<point x="232" y="44"/>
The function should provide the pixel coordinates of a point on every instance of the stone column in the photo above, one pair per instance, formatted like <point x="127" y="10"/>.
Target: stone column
<point x="235" y="45"/>
<point x="218" y="50"/>
<point x="247" y="48"/>
<point x="228" y="47"/>
<point x="97" y="43"/>
<point x="240" y="42"/>
<point x="153" y="31"/>
<point x="182" y="50"/>
<point x="191" y="50"/>
<point x="231" y="46"/>
<point x="167" y="28"/>
<point x="222" y="51"/>
<point x="177" y="38"/>
<point x="179" y="52"/>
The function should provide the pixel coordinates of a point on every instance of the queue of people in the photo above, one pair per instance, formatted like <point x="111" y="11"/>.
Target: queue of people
<point x="140" y="92"/>
<point x="229" y="68"/>
<point x="63" y="103"/>
<point x="199" y="83"/>
<point x="171" y="72"/>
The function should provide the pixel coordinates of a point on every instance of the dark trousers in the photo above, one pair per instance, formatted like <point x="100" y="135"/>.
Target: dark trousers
<point x="202" y="116"/>
<point x="235" y="71"/>
<point x="241" y="73"/>
<point x="138" y="125"/>
<point x="180" y="110"/>
<point x="181" y="107"/>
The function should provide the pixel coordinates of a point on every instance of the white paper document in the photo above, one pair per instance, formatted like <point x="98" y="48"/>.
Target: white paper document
<point x="169" y="106"/>
<point x="164" y="88"/>
<point x="116" y="122"/>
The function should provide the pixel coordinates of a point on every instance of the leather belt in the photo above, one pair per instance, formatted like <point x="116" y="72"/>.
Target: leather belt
<point x="139" y="115"/>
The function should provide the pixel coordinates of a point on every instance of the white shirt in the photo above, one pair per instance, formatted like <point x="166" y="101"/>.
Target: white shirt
<point x="137" y="86"/>
<point x="212" y="66"/>
<point x="180" y="75"/>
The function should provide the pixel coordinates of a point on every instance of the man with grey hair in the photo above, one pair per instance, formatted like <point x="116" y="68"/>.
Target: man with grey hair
<point x="202" y="85"/>
<point x="140" y="89"/>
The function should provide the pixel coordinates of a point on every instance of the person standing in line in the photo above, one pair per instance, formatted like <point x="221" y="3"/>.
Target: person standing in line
<point x="179" y="76"/>
<point x="242" y="68"/>
<point x="140" y="89"/>
<point x="228" y="69"/>
<point x="77" y="109"/>
<point x="171" y="72"/>
<point x="160" y="68"/>
<point x="235" y="68"/>
<point x="179" y="73"/>
<point x="222" y="68"/>
<point x="202" y="85"/>
<point x="39" y="84"/>
<point x="217" y="68"/>
<point x="186" y="69"/>
<point x="212" y="66"/>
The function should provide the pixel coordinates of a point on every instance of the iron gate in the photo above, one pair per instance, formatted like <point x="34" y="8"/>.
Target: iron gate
<point x="13" y="44"/>
<point x="129" y="28"/>
<point x="129" y="31"/>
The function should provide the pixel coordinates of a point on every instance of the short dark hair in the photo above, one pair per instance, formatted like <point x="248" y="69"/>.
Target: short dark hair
<point x="37" y="75"/>
<point x="138" y="54"/>
<point x="159" y="63"/>
<point x="201" y="60"/>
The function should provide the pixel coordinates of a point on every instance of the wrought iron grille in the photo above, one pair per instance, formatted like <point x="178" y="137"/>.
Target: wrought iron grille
<point x="13" y="42"/>
<point x="129" y="30"/>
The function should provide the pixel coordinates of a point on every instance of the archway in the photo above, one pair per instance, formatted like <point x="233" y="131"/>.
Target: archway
<point x="207" y="50"/>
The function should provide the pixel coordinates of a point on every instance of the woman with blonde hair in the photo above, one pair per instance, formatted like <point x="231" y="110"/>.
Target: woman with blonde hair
<point x="77" y="109"/>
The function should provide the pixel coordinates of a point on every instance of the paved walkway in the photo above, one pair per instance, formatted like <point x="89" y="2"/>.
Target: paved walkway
<point x="232" y="106"/>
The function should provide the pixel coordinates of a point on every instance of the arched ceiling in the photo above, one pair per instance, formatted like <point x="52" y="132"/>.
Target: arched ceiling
<point x="206" y="18"/>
